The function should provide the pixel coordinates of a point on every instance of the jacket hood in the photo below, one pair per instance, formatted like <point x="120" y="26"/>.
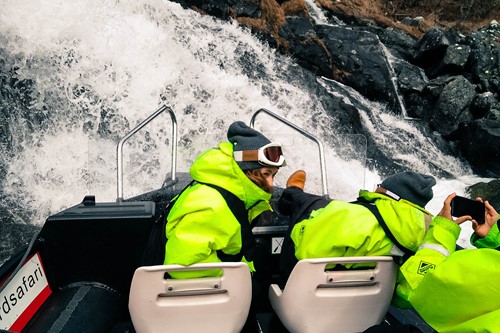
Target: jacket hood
<point x="217" y="166"/>
<point x="405" y="219"/>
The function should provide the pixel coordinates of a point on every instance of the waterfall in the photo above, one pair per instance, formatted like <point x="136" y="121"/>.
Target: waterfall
<point x="394" y="80"/>
<point x="319" y="16"/>
<point x="80" y="74"/>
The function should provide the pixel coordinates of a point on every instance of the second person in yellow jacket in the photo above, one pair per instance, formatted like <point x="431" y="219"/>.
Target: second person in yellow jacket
<point x="321" y="227"/>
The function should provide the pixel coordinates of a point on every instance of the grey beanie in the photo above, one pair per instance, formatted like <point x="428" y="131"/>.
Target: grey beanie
<point x="412" y="186"/>
<point x="244" y="137"/>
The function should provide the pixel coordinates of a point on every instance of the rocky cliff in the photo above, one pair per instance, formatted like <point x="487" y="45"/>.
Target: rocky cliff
<point x="440" y="67"/>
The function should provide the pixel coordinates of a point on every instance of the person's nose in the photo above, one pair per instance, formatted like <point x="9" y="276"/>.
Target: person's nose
<point x="270" y="181"/>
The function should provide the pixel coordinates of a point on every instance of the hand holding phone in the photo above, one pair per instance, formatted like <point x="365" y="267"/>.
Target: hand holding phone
<point x="461" y="206"/>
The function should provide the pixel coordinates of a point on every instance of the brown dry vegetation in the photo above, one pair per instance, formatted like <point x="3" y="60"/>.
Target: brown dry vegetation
<point x="464" y="15"/>
<point x="273" y="17"/>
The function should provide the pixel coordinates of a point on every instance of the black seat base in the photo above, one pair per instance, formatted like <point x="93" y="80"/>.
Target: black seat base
<point x="79" y="307"/>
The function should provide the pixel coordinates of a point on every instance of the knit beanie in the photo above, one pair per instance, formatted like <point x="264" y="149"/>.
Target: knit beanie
<point x="412" y="186"/>
<point x="244" y="137"/>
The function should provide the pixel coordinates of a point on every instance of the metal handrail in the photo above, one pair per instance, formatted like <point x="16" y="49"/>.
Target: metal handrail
<point x="119" y="147"/>
<point x="306" y="134"/>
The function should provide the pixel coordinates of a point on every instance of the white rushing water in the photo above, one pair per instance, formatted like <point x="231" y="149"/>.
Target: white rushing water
<point x="120" y="60"/>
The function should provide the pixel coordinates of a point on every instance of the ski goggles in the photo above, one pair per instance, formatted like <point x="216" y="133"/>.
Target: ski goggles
<point x="268" y="155"/>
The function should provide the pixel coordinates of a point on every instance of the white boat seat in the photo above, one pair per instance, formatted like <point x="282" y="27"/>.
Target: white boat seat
<point x="209" y="304"/>
<point x="317" y="300"/>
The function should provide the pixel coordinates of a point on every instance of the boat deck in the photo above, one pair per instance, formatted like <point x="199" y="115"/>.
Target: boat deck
<point x="90" y="252"/>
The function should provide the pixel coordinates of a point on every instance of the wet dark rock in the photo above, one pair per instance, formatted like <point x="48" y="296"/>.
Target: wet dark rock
<point x="479" y="142"/>
<point x="358" y="60"/>
<point x="247" y="8"/>
<point x="398" y="41"/>
<point x="305" y="46"/>
<point x="453" y="62"/>
<point x="418" y="105"/>
<point x="435" y="86"/>
<point x="482" y="104"/>
<point x="494" y="113"/>
<point x="452" y="105"/>
<point x="411" y="78"/>
<point x="484" y="57"/>
<point x="431" y="48"/>
<point x="297" y="28"/>
<point x="489" y="191"/>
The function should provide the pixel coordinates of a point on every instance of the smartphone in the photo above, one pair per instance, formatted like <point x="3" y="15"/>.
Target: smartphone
<point x="461" y="206"/>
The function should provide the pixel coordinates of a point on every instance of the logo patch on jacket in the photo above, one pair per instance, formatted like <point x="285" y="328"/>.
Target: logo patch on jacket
<point x="425" y="267"/>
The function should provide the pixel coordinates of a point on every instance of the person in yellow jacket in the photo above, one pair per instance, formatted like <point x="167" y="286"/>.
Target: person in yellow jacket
<point x="201" y="227"/>
<point x="455" y="291"/>
<point x="320" y="227"/>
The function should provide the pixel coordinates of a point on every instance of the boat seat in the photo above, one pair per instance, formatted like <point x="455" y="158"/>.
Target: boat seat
<point x="208" y="304"/>
<point x="316" y="299"/>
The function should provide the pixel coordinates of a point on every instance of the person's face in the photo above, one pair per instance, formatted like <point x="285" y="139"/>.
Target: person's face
<point x="268" y="174"/>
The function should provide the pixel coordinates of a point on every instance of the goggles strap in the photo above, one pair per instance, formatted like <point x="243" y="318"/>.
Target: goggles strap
<point x="246" y="155"/>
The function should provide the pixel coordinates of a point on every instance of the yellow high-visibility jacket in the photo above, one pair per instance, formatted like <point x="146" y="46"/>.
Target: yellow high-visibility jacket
<point x="348" y="229"/>
<point x="453" y="291"/>
<point x="200" y="223"/>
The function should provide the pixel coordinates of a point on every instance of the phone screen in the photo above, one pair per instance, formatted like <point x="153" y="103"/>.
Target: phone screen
<point x="461" y="206"/>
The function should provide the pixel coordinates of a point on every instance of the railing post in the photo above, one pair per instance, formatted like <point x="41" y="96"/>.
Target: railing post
<point x="306" y="134"/>
<point x="119" y="147"/>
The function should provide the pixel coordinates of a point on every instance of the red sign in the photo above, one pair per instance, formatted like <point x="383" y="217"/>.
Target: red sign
<point x="24" y="295"/>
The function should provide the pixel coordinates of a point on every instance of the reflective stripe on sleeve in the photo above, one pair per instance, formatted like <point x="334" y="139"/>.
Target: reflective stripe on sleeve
<point x="435" y="247"/>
